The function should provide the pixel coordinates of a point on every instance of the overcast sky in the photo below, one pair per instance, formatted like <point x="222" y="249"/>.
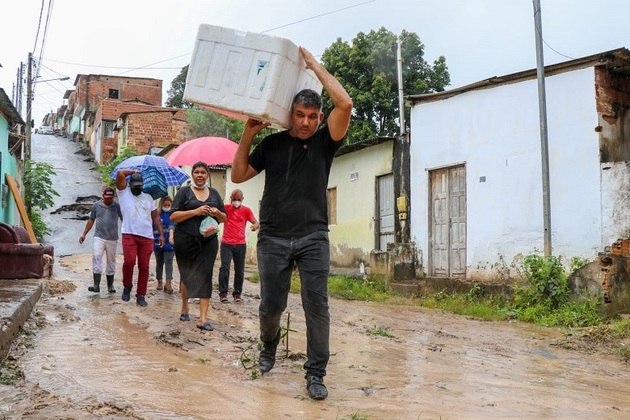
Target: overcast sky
<point x="155" y="38"/>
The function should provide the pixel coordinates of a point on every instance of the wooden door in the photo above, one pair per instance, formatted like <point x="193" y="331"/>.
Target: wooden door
<point x="447" y="224"/>
<point x="385" y="211"/>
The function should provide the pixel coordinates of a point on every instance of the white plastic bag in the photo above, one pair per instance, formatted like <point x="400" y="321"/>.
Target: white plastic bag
<point x="208" y="226"/>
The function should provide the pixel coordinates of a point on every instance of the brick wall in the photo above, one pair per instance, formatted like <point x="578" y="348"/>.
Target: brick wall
<point x="154" y="129"/>
<point x="612" y="89"/>
<point x="612" y="92"/>
<point x="109" y="145"/>
<point x="93" y="88"/>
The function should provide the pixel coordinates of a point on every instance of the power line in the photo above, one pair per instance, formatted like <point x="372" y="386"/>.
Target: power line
<point x="122" y="68"/>
<point x="147" y="66"/>
<point x="318" y="16"/>
<point x="39" y="24"/>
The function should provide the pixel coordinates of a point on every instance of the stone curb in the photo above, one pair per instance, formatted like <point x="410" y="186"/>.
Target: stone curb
<point x="17" y="300"/>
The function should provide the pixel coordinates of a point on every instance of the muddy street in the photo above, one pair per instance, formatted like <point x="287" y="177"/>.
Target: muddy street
<point x="95" y="356"/>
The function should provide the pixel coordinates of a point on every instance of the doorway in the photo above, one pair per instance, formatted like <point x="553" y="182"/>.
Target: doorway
<point x="385" y="211"/>
<point x="447" y="224"/>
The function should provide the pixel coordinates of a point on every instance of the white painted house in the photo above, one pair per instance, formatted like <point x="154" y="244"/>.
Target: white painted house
<point x="476" y="168"/>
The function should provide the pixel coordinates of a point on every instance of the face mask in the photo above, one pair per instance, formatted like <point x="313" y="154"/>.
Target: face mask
<point x="166" y="209"/>
<point x="200" y="187"/>
<point x="136" y="190"/>
<point x="236" y="203"/>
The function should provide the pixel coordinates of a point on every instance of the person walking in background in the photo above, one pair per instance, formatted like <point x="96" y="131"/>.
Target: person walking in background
<point x="196" y="245"/>
<point x="139" y="216"/>
<point x="234" y="245"/>
<point x="294" y="219"/>
<point x="164" y="254"/>
<point x="104" y="214"/>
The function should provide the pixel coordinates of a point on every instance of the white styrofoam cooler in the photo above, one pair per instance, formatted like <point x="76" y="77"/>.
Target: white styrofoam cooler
<point x="246" y="73"/>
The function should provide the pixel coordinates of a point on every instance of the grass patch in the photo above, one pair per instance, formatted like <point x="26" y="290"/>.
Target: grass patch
<point x="381" y="332"/>
<point x="489" y="308"/>
<point x="370" y="290"/>
<point x="10" y="372"/>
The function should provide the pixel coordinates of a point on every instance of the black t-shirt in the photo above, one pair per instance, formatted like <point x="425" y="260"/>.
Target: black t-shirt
<point x="296" y="177"/>
<point x="185" y="199"/>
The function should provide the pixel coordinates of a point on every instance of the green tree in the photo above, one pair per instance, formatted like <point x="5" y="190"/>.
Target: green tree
<point x="107" y="169"/>
<point x="38" y="193"/>
<point x="367" y="68"/>
<point x="176" y="92"/>
<point x="204" y="122"/>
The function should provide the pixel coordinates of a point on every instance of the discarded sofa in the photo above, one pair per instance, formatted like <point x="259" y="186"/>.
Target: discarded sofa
<point x="21" y="259"/>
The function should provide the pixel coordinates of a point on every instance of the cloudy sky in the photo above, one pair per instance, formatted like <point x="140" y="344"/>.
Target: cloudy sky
<point x="155" y="38"/>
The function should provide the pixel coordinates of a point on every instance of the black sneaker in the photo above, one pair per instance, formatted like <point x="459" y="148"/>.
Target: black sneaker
<point x="126" y="295"/>
<point x="140" y="301"/>
<point x="316" y="388"/>
<point x="223" y="297"/>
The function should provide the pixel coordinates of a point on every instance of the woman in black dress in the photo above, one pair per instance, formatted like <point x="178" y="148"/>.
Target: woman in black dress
<point x="196" y="252"/>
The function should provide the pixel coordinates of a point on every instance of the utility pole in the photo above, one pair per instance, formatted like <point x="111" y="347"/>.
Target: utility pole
<point x="29" y="102"/>
<point x="544" y="142"/>
<point x="401" y="101"/>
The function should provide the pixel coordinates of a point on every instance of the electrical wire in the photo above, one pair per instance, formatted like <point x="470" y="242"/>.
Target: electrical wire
<point x="122" y="68"/>
<point x="538" y="11"/>
<point x="147" y="66"/>
<point x="39" y="25"/>
<point x="318" y="16"/>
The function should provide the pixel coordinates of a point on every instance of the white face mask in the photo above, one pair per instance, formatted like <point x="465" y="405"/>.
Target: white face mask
<point x="166" y="209"/>
<point x="200" y="187"/>
<point x="236" y="203"/>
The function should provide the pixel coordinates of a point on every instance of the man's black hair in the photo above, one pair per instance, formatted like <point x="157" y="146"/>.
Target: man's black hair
<point x="307" y="97"/>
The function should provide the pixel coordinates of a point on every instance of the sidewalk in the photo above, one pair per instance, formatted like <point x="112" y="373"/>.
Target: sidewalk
<point x="17" y="300"/>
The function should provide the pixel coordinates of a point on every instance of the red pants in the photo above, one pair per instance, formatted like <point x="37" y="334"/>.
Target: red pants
<point x="139" y="247"/>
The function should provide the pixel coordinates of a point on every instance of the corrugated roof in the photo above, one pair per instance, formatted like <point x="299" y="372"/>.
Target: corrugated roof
<point x="618" y="60"/>
<point x="348" y="148"/>
<point x="7" y="108"/>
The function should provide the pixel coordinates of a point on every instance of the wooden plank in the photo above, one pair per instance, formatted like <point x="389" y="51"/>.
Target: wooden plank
<point x="20" y="205"/>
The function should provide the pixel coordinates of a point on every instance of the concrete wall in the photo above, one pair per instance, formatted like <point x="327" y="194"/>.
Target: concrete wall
<point x="495" y="133"/>
<point x="8" y="213"/>
<point x="354" y="174"/>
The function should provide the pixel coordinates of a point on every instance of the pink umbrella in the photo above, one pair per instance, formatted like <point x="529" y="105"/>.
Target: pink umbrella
<point x="211" y="150"/>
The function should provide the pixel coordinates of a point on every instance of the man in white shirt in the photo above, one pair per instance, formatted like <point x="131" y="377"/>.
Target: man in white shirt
<point x="140" y="214"/>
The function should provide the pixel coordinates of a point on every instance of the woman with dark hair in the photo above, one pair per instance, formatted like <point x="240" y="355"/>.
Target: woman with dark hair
<point x="196" y="251"/>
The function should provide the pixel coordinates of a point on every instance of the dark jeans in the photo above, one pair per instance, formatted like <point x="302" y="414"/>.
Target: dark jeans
<point x="276" y="260"/>
<point x="229" y="253"/>
<point x="164" y="263"/>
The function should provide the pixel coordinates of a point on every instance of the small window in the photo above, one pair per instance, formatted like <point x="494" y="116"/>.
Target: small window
<point x="113" y="94"/>
<point x="331" y="195"/>
<point x="108" y="128"/>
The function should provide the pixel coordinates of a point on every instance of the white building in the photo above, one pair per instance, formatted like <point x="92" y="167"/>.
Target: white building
<point x="476" y="168"/>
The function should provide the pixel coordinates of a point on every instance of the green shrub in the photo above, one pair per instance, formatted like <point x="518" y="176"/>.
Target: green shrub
<point x="38" y="193"/>
<point x="105" y="170"/>
<point x="546" y="298"/>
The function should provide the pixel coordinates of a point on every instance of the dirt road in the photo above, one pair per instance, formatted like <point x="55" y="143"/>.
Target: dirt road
<point x="99" y="357"/>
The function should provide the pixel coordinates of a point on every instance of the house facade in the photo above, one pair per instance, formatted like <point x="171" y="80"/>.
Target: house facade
<point x="151" y="129"/>
<point x="477" y="170"/>
<point x="86" y="101"/>
<point x="11" y="144"/>
<point x="360" y="202"/>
